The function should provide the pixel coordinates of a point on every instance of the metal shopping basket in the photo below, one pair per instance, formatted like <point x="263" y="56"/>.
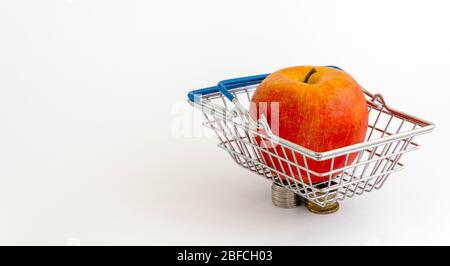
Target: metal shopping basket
<point x="390" y="134"/>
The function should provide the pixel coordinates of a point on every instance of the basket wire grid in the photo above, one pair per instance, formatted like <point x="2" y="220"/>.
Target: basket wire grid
<point x="390" y="134"/>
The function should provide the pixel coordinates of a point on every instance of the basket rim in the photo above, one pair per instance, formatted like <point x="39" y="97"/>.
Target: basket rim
<point x="375" y="100"/>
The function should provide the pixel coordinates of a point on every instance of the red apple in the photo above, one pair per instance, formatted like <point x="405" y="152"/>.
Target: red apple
<point x="320" y="108"/>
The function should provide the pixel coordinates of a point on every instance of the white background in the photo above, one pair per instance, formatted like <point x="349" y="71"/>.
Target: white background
<point x="98" y="145"/>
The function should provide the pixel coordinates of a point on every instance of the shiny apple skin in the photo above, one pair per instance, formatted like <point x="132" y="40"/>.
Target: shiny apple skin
<point x="326" y="113"/>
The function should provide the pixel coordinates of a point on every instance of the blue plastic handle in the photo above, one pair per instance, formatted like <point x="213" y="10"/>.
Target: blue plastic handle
<point x="335" y="67"/>
<point x="195" y="94"/>
<point x="225" y="85"/>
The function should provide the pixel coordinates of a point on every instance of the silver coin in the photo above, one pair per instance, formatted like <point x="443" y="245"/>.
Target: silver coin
<point x="283" y="197"/>
<point x="274" y="197"/>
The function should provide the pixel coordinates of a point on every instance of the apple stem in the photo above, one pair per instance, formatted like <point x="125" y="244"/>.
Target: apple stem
<point x="310" y="73"/>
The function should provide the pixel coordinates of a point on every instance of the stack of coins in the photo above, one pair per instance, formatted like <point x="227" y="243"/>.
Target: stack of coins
<point x="327" y="209"/>
<point x="283" y="197"/>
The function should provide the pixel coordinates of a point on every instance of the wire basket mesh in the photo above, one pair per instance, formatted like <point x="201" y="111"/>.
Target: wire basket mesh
<point x="350" y="171"/>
